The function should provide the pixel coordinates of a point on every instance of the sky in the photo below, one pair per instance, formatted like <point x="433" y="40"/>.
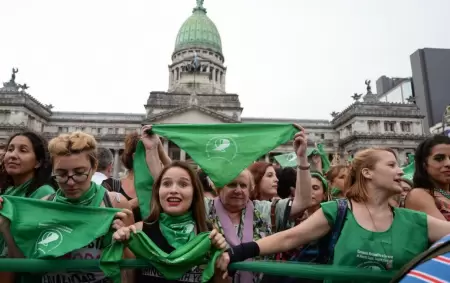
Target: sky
<point x="285" y="58"/>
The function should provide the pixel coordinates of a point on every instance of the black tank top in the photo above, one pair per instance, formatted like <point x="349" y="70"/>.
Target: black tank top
<point x="151" y="274"/>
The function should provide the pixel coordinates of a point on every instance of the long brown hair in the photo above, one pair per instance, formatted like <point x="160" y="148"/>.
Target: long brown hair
<point x="198" y="203"/>
<point x="355" y="183"/>
<point x="258" y="169"/>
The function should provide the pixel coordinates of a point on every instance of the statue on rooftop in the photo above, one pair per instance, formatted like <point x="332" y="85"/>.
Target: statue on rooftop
<point x="13" y="76"/>
<point x="356" y="96"/>
<point x="369" y="88"/>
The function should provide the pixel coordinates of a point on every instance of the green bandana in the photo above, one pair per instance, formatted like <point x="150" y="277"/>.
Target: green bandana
<point x="20" y="191"/>
<point x="408" y="170"/>
<point x="322" y="180"/>
<point x="335" y="192"/>
<point x="178" y="230"/>
<point x="44" y="229"/>
<point x="172" y="266"/>
<point x="290" y="159"/>
<point x="221" y="150"/>
<point x="92" y="197"/>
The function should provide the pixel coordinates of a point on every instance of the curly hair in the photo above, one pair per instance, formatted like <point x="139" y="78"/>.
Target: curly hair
<point x="74" y="143"/>
<point x="131" y="141"/>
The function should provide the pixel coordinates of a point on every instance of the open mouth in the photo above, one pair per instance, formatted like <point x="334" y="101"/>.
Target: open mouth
<point x="173" y="201"/>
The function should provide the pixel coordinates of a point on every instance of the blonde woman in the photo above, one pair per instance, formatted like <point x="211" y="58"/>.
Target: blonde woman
<point x="373" y="232"/>
<point x="74" y="162"/>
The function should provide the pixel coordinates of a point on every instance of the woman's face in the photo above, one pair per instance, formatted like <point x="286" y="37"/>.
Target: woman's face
<point x="176" y="191"/>
<point x="386" y="174"/>
<point x="269" y="183"/>
<point x="73" y="173"/>
<point x="20" y="158"/>
<point x="318" y="194"/>
<point x="438" y="164"/>
<point x="339" y="181"/>
<point x="235" y="195"/>
<point x="406" y="188"/>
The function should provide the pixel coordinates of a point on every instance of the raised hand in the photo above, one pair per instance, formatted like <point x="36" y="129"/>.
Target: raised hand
<point x="150" y="141"/>
<point x="122" y="219"/>
<point x="300" y="142"/>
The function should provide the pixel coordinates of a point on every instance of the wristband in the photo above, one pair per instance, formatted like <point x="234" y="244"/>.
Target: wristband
<point x="304" y="167"/>
<point x="243" y="251"/>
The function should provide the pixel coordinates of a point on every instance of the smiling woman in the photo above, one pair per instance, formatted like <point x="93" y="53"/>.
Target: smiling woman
<point x="74" y="162"/>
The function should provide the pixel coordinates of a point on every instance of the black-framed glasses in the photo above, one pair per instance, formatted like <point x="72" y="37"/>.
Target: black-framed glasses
<point x="77" y="177"/>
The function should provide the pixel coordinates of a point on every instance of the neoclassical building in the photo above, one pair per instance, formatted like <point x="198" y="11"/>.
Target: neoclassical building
<point x="197" y="94"/>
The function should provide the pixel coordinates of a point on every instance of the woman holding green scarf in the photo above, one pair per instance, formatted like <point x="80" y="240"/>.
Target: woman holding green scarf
<point x="177" y="215"/>
<point x="26" y="171"/>
<point x="74" y="162"/>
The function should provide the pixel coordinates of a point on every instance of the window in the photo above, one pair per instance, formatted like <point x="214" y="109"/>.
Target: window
<point x="322" y="136"/>
<point x="406" y="126"/>
<point x="374" y="126"/>
<point x="389" y="126"/>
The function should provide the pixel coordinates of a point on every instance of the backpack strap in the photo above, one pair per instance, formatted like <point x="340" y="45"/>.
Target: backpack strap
<point x="286" y="216"/>
<point x="337" y="228"/>
<point x="107" y="200"/>
<point x="431" y="253"/>
<point x="273" y="216"/>
<point x="116" y="185"/>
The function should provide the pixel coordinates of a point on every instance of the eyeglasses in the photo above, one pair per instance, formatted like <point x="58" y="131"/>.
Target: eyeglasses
<point x="77" y="177"/>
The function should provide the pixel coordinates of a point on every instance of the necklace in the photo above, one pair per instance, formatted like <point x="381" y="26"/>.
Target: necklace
<point x="444" y="193"/>
<point x="389" y="263"/>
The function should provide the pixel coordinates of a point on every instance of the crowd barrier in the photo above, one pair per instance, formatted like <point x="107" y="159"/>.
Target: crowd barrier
<point x="291" y="269"/>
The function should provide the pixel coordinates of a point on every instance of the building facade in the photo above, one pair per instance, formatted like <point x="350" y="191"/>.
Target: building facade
<point x="197" y="94"/>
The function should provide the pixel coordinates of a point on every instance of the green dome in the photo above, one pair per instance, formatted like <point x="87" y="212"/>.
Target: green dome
<point x="198" y="31"/>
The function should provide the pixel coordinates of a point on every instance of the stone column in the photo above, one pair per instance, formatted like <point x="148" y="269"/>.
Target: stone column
<point x="266" y="158"/>
<point x="182" y="155"/>
<point x="116" y="169"/>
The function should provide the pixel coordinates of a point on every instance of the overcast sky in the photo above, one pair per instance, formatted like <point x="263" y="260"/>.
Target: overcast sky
<point x="285" y="58"/>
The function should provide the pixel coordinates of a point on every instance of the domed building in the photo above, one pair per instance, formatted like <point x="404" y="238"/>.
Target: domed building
<point x="197" y="94"/>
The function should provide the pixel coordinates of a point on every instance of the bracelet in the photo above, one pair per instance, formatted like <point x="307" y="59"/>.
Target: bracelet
<point x="304" y="167"/>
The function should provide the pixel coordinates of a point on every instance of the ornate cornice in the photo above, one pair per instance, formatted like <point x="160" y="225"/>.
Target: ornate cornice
<point x="23" y="99"/>
<point x="182" y="109"/>
<point x="88" y="117"/>
<point x="376" y="109"/>
<point x="379" y="136"/>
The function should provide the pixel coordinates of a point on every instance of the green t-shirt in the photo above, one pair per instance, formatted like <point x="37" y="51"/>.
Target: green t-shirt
<point x="358" y="247"/>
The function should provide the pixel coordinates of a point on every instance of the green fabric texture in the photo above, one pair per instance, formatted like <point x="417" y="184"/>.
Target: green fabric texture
<point x="143" y="180"/>
<point x="44" y="229"/>
<point x="290" y="159"/>
<point x="92" y="197"/>
<point x="221" y="150"/>
<point x="172" y="266"/>
<point x="178" y="230"/>
<point x="388" y="250"/>
<point x="20" y="191"/>
<point x="408" y="170"/>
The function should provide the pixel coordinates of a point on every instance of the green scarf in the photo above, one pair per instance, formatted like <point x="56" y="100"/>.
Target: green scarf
<point x="409" y="169"/>
<point x="178" y="230"/>
<point x="19" y="191"/>
<point x="172" y="266"/>
<point x="221" y="150"/>
<point x="290" y="159"/>
<point x="44" y="229"/>
<point x="92" y="197"/>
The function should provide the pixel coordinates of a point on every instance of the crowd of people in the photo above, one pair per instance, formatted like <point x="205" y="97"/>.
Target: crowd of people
<point x="364" y="214"/>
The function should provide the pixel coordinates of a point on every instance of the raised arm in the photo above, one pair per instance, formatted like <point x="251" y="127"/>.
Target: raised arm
<point x="165" y="159"/>
<point x="151" y="143"/>
<point x="302" y="199"/>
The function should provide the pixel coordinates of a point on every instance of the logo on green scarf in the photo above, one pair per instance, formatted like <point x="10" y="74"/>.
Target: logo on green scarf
<point x="50" y="238"/>
<point x="221" y="148"/>
<point x="291" y="157"/>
